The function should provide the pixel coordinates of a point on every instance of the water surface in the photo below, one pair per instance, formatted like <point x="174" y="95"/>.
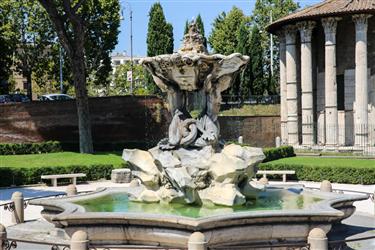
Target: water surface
<point x="276" y="200"/>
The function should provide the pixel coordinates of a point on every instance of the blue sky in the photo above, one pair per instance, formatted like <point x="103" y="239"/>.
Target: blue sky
<point x="176" y="12"/>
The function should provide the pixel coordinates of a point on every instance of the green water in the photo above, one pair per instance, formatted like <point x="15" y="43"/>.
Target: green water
<point x="119" y="202"/>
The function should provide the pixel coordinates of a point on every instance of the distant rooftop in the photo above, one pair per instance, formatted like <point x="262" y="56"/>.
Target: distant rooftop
<point x="325" y="9"/>
<point x="123" y="55"/>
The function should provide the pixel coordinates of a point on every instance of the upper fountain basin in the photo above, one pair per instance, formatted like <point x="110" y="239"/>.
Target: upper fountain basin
<point x="192" y="71"/>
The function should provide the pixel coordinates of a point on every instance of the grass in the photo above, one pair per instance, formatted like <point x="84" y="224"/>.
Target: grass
<point x="325" y="162"/>
<point x="60" y="160"/>
<point x="253" y="110"/>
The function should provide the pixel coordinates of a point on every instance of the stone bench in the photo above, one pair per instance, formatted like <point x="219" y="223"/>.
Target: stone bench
<point x="278" y="172"/>
<point x="121" y="175"/>
<point x="54" y="178"/>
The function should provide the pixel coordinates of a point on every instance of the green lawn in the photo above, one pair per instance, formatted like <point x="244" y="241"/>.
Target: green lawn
<point x="325" y="162"/>
<point x="252" y="110"/>
<point x="60" y="160"/>
<point x="338" y="170"/>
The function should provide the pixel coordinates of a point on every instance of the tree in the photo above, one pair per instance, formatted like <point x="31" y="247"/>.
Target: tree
<point x="261" y="17"/>
<point x="159" y="33"/>
<point x="159" y="38"/>
<point x="256" y="64"/>
<point x="46" y="73"/>
<point x="200" y="26"/>
<point x="243" y="47"/>
<point x="74" y="29"/>
<point x="102" y="18"/>
<point x="224" y="39"/>
<point x="121" y="85"/>
<point x="34" y="38"/>
<point x="186" y="28"/>
<point x="7" y="47"/>
<point x="36" y="45"/>
<point x="224" y="34"/>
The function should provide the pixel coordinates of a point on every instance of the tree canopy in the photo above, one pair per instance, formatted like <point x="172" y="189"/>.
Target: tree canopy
<point x="121" y="85"/>
<point x="256" y="63"/>
<point x="7" y="46"/>
<point x="160" y="32"/>
<point x="224" y="35"/>
<point x="36" y="44"/>
<point x="243" y="47"/>
<point x="77" y="31"/>
<point x="159" y="38"/>
<point x="229" y="35"/>
<point x="261" y="17"/>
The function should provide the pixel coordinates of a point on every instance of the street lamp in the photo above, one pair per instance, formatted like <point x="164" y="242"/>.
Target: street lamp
<point x="61" y="70"/>
<point x="131" y="44"/>
<point x="271" y="44"/>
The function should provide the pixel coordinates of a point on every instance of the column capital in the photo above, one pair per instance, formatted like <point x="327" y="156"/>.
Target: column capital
<point x="361" y="21"/>
<point x="305" y="29"/>
<point x="330" y="24"/>
<point x="330" y="27"/>
<point x="290" y="34"/>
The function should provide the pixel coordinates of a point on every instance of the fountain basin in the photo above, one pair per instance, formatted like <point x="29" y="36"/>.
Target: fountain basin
<point x="292" y="223"/>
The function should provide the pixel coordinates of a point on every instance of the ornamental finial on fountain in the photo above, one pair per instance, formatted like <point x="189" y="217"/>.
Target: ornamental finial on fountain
<point x="193" y="40"/>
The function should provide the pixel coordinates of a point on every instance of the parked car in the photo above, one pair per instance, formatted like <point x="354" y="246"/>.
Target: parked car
<point x="55" y="97"/>
<point x="19" y="98"/>
<point x="5" y="99"/>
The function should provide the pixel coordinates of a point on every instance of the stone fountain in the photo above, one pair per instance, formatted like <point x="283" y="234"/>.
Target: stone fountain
<point x="190" y="166"/>
<point x="191" y="182"/>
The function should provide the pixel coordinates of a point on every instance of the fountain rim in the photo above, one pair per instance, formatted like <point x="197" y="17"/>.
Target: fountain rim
<point x="71" y="212"/>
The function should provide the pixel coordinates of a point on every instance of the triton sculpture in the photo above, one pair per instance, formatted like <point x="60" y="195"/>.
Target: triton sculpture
<point x="190" y="166"/>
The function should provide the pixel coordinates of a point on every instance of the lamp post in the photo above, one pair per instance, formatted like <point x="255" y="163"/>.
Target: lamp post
<point x="131" y="45"/>
<point x="271" y="45"/>
<point x="61" y="72"/>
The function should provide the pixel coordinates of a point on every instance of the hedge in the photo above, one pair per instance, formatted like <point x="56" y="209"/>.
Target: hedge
<point x="56" y="146"/>
<point x="30" y="148"/>
<point x="337" y="174"/>
<point x="273" y="154"/>
<point x="24" y="176"/>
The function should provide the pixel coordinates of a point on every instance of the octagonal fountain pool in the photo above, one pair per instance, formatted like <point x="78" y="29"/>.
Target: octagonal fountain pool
<point x="276" y="215"/>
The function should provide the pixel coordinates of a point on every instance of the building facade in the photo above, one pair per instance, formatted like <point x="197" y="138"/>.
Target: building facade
<point x="327" y="74"/>
<point x="121" y="58"/>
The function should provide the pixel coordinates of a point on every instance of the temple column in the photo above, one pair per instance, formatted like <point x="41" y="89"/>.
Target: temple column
<point x="330" y="26"/>
<point x="283" y="89"/>
<point x="306" y="29"/>
<point x="291" y="82"/>
<point x="361" y="80"/>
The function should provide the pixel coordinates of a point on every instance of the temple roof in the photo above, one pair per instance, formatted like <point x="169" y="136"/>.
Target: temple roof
<point x="324" y="9"/>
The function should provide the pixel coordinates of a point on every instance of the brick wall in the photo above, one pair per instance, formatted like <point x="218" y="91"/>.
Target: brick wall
<point x="114" y="119"/>
<point x="258" y="131"/>
<point x="117" y="120"/>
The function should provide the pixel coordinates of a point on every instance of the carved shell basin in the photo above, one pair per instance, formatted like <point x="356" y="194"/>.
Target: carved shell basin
<point x="189" y="71"/>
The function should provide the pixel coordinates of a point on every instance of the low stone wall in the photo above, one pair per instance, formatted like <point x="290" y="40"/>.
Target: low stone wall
<point x="117" y="120"/>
